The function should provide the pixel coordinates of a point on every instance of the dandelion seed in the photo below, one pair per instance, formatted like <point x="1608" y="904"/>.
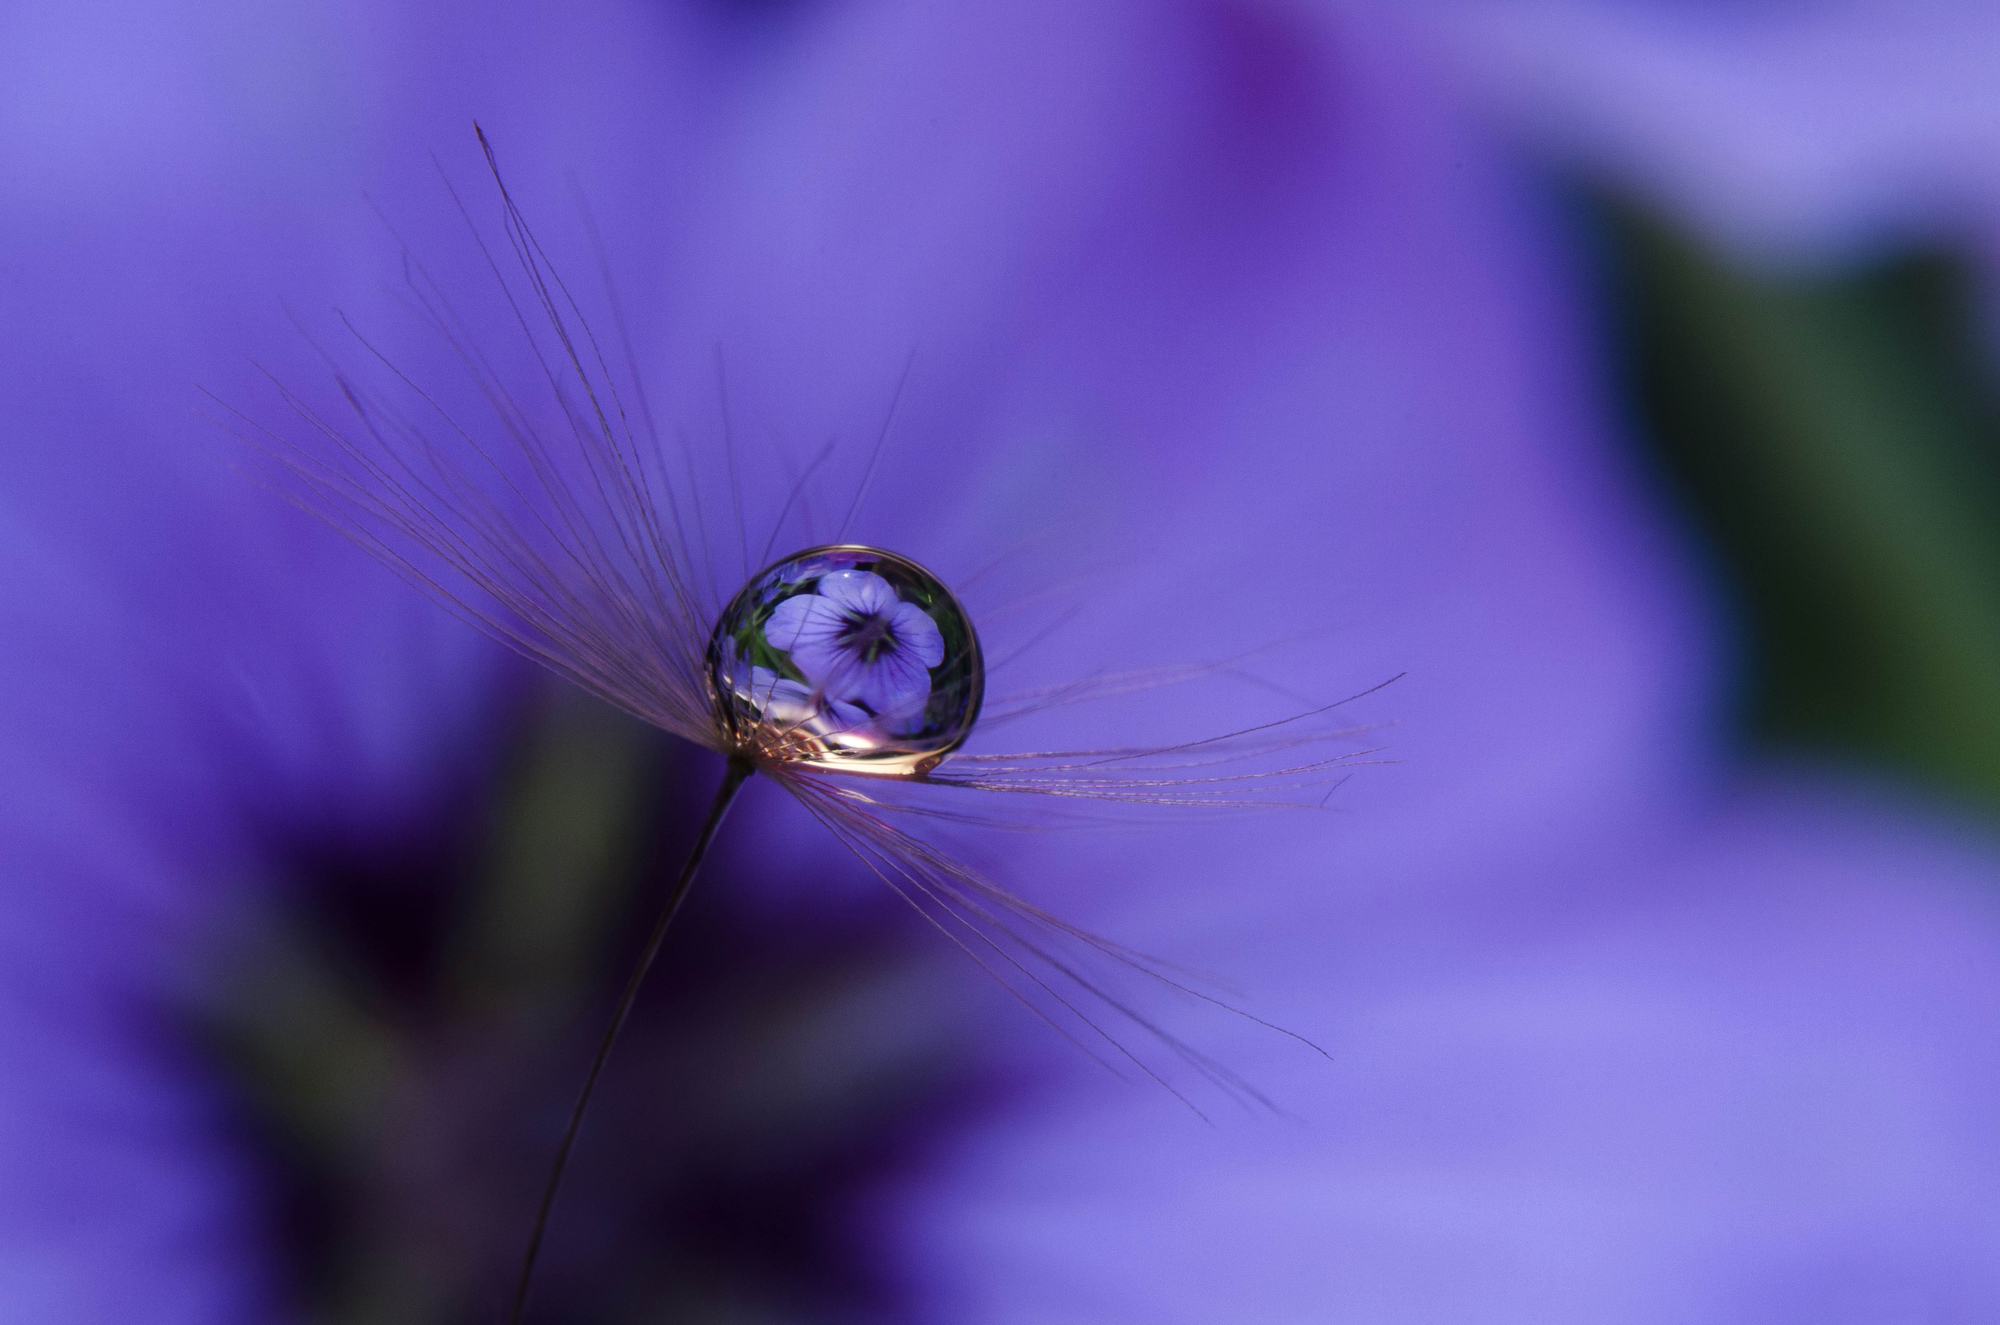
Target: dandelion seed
<point x="557" y="524"/>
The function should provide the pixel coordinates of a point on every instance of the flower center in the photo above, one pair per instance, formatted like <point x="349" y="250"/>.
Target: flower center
<point x="868" y="635"/>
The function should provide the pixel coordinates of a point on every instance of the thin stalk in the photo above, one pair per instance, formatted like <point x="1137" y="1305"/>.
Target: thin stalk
<point x="732" y="781"/>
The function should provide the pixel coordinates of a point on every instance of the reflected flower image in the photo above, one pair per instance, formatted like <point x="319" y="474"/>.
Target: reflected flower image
<point x="859" y="644"/>
<point x="859" y="660"/>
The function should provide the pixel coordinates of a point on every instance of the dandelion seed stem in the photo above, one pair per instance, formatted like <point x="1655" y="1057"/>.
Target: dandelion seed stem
<point x="732" y="781"/>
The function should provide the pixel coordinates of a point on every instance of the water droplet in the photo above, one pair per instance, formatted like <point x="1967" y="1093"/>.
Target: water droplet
<point x="847" y="658"/>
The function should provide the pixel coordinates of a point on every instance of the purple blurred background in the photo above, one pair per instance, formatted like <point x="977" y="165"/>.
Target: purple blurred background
<point x="1614" y="374"/>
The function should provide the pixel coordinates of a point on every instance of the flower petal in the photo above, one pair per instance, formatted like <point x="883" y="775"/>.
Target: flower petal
<point x="1745" y="1074"/>
<point x="862" y="592"/>
<point x="808" y="628"/>
<point x="917" y="635"/>
<point x="894" y="685"/>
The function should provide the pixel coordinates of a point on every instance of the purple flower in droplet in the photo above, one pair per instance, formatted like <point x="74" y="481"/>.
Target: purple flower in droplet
<point x="785" y="702"/>
<point x="858" y="643"/>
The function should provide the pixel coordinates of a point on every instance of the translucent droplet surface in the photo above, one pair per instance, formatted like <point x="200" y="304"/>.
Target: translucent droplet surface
<point x="847" y="658"/>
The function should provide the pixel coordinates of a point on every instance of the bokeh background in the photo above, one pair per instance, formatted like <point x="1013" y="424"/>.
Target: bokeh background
<point x="1619" y="375"/>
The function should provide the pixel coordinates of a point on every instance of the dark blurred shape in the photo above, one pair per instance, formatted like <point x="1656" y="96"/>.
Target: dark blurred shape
<point x="407" y="1037"/>
<point x="1838" y="439"/>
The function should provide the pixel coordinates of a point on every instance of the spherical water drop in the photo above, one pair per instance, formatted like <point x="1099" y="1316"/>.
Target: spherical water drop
<point x="847" y="658"/>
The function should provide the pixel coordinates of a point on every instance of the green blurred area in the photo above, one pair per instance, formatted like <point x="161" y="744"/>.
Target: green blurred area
<point x="340" y="1066"/>
<point x="407" y="1109"/>
<point x="1836" y="440"/>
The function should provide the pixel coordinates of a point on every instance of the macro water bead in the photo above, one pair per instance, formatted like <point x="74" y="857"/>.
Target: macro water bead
<point x="847" y="658"/>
